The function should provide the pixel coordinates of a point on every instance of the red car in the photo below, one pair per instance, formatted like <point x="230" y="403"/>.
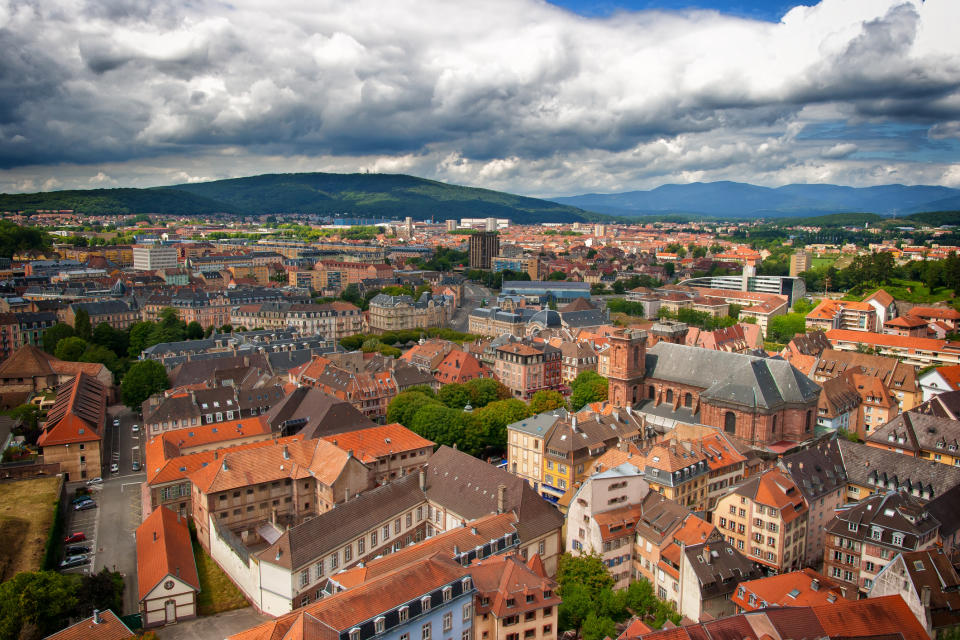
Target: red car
<point x="76" y="537"/>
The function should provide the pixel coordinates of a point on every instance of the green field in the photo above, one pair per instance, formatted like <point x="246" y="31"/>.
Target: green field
<point x="822" y="263"/>
<point x="909" y="290"/>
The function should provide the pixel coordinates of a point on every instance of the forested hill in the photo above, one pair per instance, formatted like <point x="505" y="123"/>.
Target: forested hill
<point x="361" y="195"/>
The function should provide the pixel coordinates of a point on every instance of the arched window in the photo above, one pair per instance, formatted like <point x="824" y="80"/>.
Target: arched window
<point x="688" y="400"/>
<point x="651" y="392"/>
<point x="669" y="395"/>
<point x="809" y="421"/>
<point x="773" y="429"/>
<point x="730" y="422"/>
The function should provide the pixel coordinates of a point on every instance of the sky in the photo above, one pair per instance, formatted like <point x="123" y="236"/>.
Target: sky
<point x="517" y="95"/>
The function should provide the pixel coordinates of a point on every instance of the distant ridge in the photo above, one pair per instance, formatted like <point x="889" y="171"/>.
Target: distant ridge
<point x="357" y="194"/>
<point x="741" y="200"/>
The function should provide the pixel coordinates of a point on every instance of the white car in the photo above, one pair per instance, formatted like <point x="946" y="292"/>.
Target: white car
<point x="116" y="422"/>
<point x="93" y="481"/>
<point x="135" y="428"/>
<point x="115" y="468"/>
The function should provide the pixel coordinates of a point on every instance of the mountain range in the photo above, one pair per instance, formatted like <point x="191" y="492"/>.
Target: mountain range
<point x="741" y="200"/>
<point x="355" y="195"/>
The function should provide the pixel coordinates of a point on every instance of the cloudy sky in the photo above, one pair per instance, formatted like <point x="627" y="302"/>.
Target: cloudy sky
<point x="520" y="95"/>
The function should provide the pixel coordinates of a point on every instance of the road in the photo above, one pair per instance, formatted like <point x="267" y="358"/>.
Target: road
<point x="472" y="295"/>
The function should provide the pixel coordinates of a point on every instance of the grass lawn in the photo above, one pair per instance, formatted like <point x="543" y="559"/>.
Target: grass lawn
<point x="26" y="515"/>
<point x="822" y="263"/>
<point x="217" y="593"/>
<point x="911" y="291"/>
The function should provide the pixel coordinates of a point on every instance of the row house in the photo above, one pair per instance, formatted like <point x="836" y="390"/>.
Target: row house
<point x="873" y="470"/>
<point x="389" y="450"/>
<point x="916" y="352"/>
<point x="577" y="357"/>
<point x="899" y="379"/>
<point x="207" y="309"/>
<point x="766" y="518"/>
<point x="920" y="435"/>
<point x="355" y="272"/>
<point x="399" y="313"/>
<point x="865" y="536"/>
<point x="526" y="368"/>
<point x="118" y="314"/>
<point x="197" y="407"/>
<point x="710" y="573"/>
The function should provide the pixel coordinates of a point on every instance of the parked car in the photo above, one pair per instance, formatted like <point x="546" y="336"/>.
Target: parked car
<point x="93" y="481"/>
<point x="135" y="466"/>
<point x="79" y="536"/>
<point x="74" y="561"/>
<point x="116" y="422"/>
<point x="135" y="428"/>
<point x="83" y="506"/>
<point x="77" y="549"/>
<point x="83" y="498"/>
<point x="114" y="468"/>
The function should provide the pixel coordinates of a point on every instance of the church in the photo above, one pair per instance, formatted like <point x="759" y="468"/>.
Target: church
<point x="761" y="400"/>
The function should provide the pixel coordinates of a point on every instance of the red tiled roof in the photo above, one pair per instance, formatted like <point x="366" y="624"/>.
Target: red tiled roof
<point x="776" y="590"/>
<point x="164" y="549"/>
<point x="78" y="413"/>
<point x="110" y="627"/>
<point x="376" y="442"/>
<point x="906" y="342"/>
<point x="870" y="617"/>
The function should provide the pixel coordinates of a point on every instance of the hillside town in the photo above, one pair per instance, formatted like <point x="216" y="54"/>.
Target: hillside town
<point x="479" y="430"/>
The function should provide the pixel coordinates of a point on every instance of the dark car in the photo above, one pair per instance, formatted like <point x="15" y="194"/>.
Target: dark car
<point x="83" y="498"/>
<point x="75" y="537"/>
<point x="83" y="506"/>
<point x="77" y="549"/>
<point x="74" y="561"/>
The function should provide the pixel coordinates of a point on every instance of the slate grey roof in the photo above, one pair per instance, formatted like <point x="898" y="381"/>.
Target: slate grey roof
<point x="585" y="318"/>
<point x="817" y="470"/>
<point x="894" y="511"/>
<point x="546" y="317"/>
<point x="539" y="425"/>
<point x="732" y="377"/>
<point x="522" y="285"/>
<point x="944" y="508"/>
<point x="321" y="414"/>
<point x="725" y="569"/>
<point x="920" y="431"/>
<point x="887" y="470"/>
<point x="101" y="308"/>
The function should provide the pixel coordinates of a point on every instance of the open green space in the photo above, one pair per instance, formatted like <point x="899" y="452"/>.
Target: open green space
<point x="27" y="510"/>
<point x="217" y="593"/>
<point x="823" y="263"/>
<point x="909" y="290"/>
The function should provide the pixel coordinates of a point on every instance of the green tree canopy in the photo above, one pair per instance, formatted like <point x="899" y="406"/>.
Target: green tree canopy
<point x="494" y="418"/>
<point x="589" y="386"/>
<point x="546" y="400"/>
<point x="455" y="396"/>
<point x="81" y="324"/>
<point x="143" y="380"/>
<point x="194" y="331"/>
<point x="113" y="339"/>
<point x="56" y="333"/>
<point x="483" y="391"/>
<point x="70" y="349"/>
<point x="405" y="406"/>
<point x="783" y="328"/>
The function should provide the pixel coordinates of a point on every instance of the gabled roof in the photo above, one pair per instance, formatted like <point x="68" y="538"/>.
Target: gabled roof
<point x="870" y="618"/>
<point x="373" y="443"/>
<point x="27" y="362"/>
<point x="505" y="577"/>
<point x="104" y="626"/>
<point x="805" y="587"/>
<point x="77" y="414"/>
<point x="774" y="488"/>
<point x="164" y="550"/>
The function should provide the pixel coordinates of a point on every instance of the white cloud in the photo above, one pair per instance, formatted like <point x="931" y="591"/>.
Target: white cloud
<point x="511" y="94"/>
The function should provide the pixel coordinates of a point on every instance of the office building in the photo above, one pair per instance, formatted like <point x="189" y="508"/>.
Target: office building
<point x="483" y="246"/>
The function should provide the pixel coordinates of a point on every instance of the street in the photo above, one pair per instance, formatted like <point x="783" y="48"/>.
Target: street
<point x="472" y="295"/>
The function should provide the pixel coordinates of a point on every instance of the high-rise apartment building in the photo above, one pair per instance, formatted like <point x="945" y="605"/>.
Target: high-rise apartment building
<point x="800" y="261"/>
<point x="483" y="246"/>
<point x="147" y="257"/>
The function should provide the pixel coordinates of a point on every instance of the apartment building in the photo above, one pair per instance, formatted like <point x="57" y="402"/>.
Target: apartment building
<point x="766" y="518"/>
<point x="398" y="313"/>
<point x="333" y="320"/>
<point x="284" y="483"/>
<point x="872" y="470"/>
<point x="865" y="536"/>
<point x="526" y="368"/>
<point x="576" y="357"/>
<point x="116" y="313"/>
<point x="929" y="582"/>
<point x="819" y="473"/>
<point x="484" y="245"/>
<point x="842" y="314"/>
<point x="801" y="588"/>
<point x="151" y="257"/>
<point x="710" y="574"/>
<point x="920" y="435"/>
<point x="602" y="517"/>
<point x="899" y="379"/>
<point x="513" y="600"/>
<point x="917" y="352"/>
<point x="389" y="450"/>
<point x="678" y="470"/>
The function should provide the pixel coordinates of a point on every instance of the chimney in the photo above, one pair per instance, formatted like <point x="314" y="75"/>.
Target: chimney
<point x="423" y="480"/>
<point x="96" y="617"/>
<point x="925" y="596"/>
<point x="622" y="445"/>
<point x="501" y="497"/>
<point x="456" y="550"/>
<point x="574" y="422"/>
<point x="815" y="585"/>
<point x="706" y="554"/>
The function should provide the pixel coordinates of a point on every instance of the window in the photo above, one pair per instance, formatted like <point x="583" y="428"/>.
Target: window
<point x="404" y="613"/>
<point x="898" y="539"/>
<point x="669" y="395"/>
<point x="424" y="631"/>
<point x="319" y="569"/>
<point x="347" y="553"/>
<point x="386" y="532"/>
<point x="425" y="603"/>
<point x="448" y="621"/>
<point x="304" y="578"/>
<point x="447" y="594"/>
<point x="354" y="634"/>
<point x="730" y="422"/>
<point x="467" y="611"/>
<point x="465" y="635"/>
<point x="380" y="624"/>
<point x="688" y="400"/>
<point x="409" y="520"/>
<point x="373" y="540"/>
<point x="396" y="527"/>
<point x="334" y="560"/>
<point x="547" y="629"/>
<point x="419" y="514"/>
<point x="361" y="544"/>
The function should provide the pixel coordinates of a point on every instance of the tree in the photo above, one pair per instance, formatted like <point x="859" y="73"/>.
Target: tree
<point x="483" y="391"/>
<point x="81" y="324"/>
<point x="598" y="628"/>
<point x="56" y="333"/>
<point x="70" y="349"/>
<point x="41" y="601"/>
<point x="586" y="570"/>
<point x="545" y="400"/>
<point x="494" y="418"/>
<point x="29" y="417"/>
<point x="455" y="396"/>
<point x="803" y="306"/>
<point x="557" y="275"/>
<point x="783" y="328"/>
<point x="139" y="338"/>
<point x="102" y="591"/>
<point x="733" y="310"/>
<point x="405" y="406"/>
<point x="113" y="339"/>
<point x="194" y="331"/>
<point x="588" y="387"/>
<point x="143" y="380"/>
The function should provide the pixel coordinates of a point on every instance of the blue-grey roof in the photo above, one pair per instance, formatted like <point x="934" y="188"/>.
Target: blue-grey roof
<point x="543" y="284"/>
<point x="539" y="424"/>
<point x="732" y="377"/>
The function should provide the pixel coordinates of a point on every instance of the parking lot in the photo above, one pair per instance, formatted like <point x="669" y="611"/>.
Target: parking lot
<point x="86" y="521"/>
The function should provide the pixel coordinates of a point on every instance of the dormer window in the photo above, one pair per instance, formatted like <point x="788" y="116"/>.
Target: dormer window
<point x="511" y="602"/>
<point x="355" y="634"/>
<point x="851" y="526"/>
<point x="425" y="603"/>
<point x="404" y="613"/>
<point x="380" y="624"/>
<point x="447" y="593"/>
<point x="466" y="584"/>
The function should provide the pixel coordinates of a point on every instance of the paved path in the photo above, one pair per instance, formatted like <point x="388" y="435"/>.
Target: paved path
<point x="215" y="627"/>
